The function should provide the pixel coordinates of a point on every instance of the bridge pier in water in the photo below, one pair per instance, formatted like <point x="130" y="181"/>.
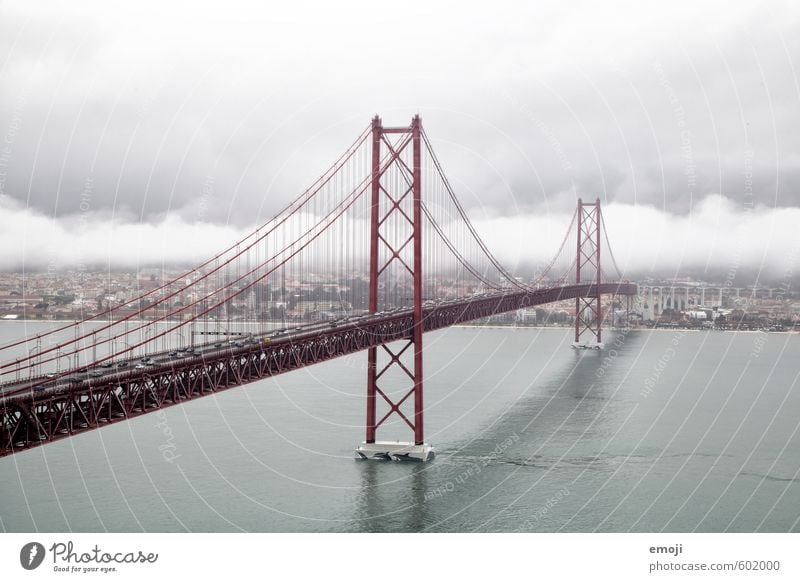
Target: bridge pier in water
<point x="588" y="310"/>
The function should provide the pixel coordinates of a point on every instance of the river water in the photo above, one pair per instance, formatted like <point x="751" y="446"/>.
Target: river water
<point x="661" y="431"/>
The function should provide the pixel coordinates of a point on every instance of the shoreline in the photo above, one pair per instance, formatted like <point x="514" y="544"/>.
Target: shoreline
<point x="58" y="322"/>
<point x="609" y="329"/>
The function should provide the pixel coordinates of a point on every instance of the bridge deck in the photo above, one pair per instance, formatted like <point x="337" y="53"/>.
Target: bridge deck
<point x="41" y="410"/>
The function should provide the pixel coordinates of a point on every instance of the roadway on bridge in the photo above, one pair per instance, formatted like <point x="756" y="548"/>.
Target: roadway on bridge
<point x="163" y="361"/>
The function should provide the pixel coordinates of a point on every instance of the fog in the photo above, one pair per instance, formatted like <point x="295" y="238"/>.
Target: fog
<point x="716" y="240"/>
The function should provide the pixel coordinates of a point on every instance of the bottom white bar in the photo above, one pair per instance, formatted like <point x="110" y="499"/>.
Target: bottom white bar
<point x="526" y="557"/>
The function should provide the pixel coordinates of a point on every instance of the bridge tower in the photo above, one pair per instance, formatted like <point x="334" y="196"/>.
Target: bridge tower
<point x="588" y="311"/>
<point x="396" y="247"/>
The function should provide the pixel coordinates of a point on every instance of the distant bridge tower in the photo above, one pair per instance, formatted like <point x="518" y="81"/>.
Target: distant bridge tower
<point x="588" y="311"/>
<point x="396" y="199"/>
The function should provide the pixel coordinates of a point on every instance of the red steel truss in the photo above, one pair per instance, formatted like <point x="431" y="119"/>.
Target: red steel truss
<point x="588" y="311"/>
<point x="391" y="202"/>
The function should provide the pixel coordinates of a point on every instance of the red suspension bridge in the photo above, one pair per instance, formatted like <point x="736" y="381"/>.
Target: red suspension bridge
<point x="374" y="254"/>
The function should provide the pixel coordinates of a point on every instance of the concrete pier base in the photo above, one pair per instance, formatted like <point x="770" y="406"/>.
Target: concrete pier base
<point x="394" y="451"/>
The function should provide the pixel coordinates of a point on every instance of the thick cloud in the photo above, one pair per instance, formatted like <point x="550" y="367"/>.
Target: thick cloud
<point x="214" y="113"/>
<point x="716" y="241"/>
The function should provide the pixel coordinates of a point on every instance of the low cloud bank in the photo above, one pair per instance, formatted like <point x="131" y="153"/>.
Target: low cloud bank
<point x="35" y="242"/>
<point x="716" y="238"/>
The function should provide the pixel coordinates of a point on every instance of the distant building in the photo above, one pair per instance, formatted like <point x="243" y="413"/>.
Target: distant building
<point x="698" y="315"/>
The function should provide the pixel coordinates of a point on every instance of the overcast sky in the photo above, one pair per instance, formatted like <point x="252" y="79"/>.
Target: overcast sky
<point x="146" y="117"/>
